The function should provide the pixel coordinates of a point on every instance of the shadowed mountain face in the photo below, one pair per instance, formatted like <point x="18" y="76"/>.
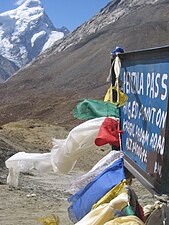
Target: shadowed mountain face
<point x="7" y="68"/>
<point x="52" y="85"/>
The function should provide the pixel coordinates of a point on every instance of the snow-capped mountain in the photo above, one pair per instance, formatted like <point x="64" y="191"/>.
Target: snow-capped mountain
<point x="27" y="31"/>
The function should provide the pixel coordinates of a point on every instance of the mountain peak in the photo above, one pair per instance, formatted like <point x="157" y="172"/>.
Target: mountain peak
<point x="26" y="31"/>
<point x="28" y="8"/>
<point x="30" y="3"/>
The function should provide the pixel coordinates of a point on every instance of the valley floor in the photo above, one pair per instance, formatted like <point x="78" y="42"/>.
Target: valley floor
<point x="41" y="195"/>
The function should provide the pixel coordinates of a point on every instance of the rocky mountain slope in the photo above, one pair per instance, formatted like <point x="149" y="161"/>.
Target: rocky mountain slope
<point x="50" y="87"/>
<point x="115" y="10"/>
<point x="25" y="32"/>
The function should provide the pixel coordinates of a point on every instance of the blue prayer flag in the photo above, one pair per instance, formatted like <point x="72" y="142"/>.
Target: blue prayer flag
<point x="84" y="199"/>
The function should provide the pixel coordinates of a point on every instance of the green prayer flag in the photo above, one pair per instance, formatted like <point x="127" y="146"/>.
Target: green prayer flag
<point x="129" y="211"/>
<point x="90" y="109"/>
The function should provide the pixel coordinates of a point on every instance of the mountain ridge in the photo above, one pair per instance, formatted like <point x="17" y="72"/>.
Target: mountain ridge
<point x="111" y="13"/>
<point x="51" y="86"/>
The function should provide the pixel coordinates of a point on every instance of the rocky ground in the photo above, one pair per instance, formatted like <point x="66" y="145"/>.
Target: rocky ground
<point x="41" y="195"/>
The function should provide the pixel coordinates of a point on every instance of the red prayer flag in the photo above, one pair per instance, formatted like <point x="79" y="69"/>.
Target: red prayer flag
<point x="108" y="133"/>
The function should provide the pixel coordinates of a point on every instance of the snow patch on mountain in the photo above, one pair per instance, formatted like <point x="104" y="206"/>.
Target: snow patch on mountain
<point x="36" y="36"/>
<point x="52" y="38"/>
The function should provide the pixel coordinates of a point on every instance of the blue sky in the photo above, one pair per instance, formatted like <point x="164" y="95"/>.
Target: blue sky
<point x="69" y="13"/>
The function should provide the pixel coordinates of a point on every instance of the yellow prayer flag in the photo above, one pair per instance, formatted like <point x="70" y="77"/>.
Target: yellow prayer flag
<point x="114" y="192"/>
<point x="121" y="97"/>
<point x="105" y="212"/>
<point x="125" y="220"/>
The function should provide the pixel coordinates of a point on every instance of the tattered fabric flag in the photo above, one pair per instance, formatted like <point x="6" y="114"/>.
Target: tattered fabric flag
<point x="105" y="212"/>
<point x="49" y="220"/>
<point x="80" y="140"/>
<point x="114" y="192"/>
<point x="95" y="190"/>
<point x="108" y="133"/>
<point x="125" y="220"/>
<point x="122" y="98"/>
<point x="90" y="109"/>
<point x="100" y="166"/>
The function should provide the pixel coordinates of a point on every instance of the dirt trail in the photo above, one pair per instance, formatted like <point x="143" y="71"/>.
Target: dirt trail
<point x="39" y="195"/>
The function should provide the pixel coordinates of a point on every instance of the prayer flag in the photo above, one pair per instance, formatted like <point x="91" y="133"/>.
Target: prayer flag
<point x="108" y="133"/>
<point x="83" y="200"/>
<point x="90" y="109"/>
